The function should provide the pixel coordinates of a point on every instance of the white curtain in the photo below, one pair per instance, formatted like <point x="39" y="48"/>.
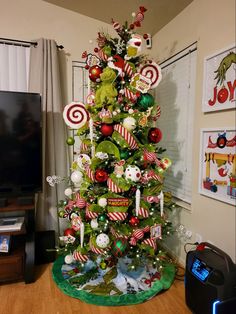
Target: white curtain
<point x="14" y="67"/>
<point x="44" y="78"/>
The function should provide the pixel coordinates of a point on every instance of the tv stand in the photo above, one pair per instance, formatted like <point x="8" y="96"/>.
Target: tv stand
<point x="19" y="263"/>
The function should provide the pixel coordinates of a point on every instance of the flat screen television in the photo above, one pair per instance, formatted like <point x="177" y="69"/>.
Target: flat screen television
<point x="20" y="144"/>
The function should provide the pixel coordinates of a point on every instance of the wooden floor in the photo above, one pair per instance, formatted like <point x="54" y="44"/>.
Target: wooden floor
<point x="44" y="297"/>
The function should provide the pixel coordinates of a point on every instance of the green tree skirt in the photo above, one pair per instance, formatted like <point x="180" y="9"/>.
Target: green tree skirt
<point x="163" y="283"/>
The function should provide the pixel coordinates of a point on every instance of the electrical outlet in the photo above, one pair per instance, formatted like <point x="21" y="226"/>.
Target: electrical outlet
<point x="198" y="238"/>
<point x="188" y="234"/>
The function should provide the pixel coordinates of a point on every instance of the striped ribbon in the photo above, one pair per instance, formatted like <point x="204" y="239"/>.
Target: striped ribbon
<point x="89" y="214"/>
<point x="113" y="187"/>
<point x="117" y="216"/>
<point x="80" y="257"/>
<point x="143" y="212"/>
<point x="151" y="242"/>
<point x="126" y="135"/>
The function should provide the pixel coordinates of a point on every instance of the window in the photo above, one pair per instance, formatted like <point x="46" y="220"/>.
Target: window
<point x="175" y="95"/>
<point x="79" y="81"/>
<point x="14" y="67"/>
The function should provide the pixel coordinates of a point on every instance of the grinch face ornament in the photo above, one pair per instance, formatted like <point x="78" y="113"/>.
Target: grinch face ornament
<point x="102" y="240"/>
<point x="133" y="173"/>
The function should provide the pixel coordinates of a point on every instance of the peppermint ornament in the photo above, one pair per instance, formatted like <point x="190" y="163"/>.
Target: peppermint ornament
<point x="75" y="115"/>
<point x="102" y="240"/>
<point x="152" y="71"/>
<point x="133" y="173"/>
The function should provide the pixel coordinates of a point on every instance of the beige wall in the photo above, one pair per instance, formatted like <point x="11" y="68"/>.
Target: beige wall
<point x="212" y="24"/>
<point x="32" y="19"/>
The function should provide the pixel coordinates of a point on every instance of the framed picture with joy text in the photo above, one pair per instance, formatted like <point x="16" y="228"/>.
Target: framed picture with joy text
<point x="217" y="177"/>
<point x="219" y="83"/>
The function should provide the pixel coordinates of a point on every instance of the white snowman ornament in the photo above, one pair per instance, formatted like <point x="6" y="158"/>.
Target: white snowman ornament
<point x="129" y="123"/>
<point x="102" y="240"/>
<point x="133" y="173"/>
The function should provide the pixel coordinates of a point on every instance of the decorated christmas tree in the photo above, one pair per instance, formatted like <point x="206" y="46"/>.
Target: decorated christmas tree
<point x="115" y="205"/>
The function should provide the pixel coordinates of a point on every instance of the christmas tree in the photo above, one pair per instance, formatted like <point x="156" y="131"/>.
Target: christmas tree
<point x="115" y="204"/>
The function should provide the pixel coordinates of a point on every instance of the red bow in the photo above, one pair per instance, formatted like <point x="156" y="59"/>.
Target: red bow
<point x="152" y="279"/>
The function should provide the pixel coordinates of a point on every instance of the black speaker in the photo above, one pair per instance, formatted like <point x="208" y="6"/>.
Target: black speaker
<point x="210" y="281"/>
<point x="45" y="247"/>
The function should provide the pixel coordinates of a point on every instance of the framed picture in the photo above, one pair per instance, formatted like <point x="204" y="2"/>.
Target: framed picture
<point x="219" y="83"/>
<point x="4" y="243"/>
<point x="217" y="177"/>
<point x="155" y="231"/>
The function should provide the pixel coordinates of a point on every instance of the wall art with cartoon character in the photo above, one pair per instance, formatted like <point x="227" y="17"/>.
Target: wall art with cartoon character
<point x="219" y="87"/>
<point x="218" y="164"/>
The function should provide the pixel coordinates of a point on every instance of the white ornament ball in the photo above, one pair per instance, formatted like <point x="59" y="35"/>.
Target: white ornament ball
<point x="133" y="173"/>
<point x="94" y="223"/>
<point x="102" y="202"/>
<point x="102" y="240"/>
<point x="76" y="177"/>
<point x="130" y="111"/>
<point x="129" y="123"/>
<point x="69" y="259"/>
<point x="68" y="192"/>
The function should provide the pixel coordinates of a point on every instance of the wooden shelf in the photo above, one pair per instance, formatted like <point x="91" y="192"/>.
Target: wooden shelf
<point x="13" y="206"/>
<point x="19" y="263"/>
<point x="16" y="232"/>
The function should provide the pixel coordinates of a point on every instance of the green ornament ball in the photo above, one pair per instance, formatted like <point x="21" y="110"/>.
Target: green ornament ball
<point x="61" y="213"/>
<point x="102" y="217"/>
<point x="145" y="101"/>
<point x="70" y="141"/>
<point x="124" y="154"/>
<point x="119" y="247"/>
<point x="103" y="265"/>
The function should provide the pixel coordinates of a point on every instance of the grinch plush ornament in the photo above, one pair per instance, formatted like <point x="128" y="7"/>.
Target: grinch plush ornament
<point x="106" y="93"/>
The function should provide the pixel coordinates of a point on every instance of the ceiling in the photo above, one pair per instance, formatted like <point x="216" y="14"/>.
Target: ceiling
<point x="159" y="12"/>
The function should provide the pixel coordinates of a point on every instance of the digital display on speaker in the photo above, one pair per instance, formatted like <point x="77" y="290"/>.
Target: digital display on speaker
<point x="200" y="269"/>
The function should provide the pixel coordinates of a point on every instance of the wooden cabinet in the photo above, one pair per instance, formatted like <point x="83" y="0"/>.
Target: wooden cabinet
<point x="19" y="263"/>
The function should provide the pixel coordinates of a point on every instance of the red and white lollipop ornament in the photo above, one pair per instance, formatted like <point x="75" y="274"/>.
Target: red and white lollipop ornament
<point x="75" y="115"/>
<point x="152" y="71"/>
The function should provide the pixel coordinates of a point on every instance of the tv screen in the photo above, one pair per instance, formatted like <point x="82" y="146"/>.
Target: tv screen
<point x="20" y="143"/>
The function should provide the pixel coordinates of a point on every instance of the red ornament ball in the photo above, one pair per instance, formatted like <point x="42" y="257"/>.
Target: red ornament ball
<point x="154" y="135"/>
<point x="96" y="49"/>
<point x="222" y="95"/>
<point x="94" y="73"/>
<point x="101" y="175"/>
<point x="134" y="221"/>
<point x="107" y="129"/>
<point x="69" y="231"/>
<point x="145" y="36"/>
